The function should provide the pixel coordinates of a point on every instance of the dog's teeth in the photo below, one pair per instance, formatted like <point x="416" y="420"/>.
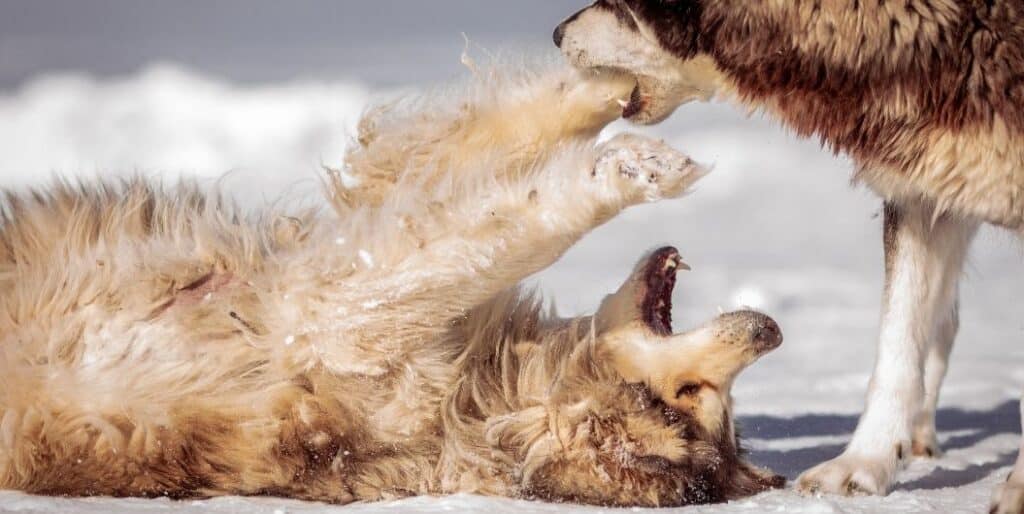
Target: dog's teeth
<point x="622" y="103"/>
<point x="721" y="310"/>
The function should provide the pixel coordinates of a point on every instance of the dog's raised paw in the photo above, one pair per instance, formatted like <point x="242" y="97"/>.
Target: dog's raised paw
<point x="645" y="169"/>
<point x="847" y="475"/>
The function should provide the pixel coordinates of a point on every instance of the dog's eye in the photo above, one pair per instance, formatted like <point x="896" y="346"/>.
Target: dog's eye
<point x="688" y="389"/>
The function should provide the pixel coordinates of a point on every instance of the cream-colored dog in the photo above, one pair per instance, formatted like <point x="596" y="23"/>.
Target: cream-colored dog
<point x="154" y="341"/>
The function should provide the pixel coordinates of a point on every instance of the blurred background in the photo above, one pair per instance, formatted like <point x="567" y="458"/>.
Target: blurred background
<point x="257" y="94"/>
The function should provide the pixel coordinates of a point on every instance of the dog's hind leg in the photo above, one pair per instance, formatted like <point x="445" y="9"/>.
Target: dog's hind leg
<point x="1009" y="496"/>
<point x="924" y="256"/>
<point x="465" y="252"/>
<point x="924" y="442"/>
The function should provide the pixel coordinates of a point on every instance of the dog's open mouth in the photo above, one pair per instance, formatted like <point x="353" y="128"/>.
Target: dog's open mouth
<point x="636" y="103"/>
<point x="654" y="98"/>
<point x="659" y="281"/>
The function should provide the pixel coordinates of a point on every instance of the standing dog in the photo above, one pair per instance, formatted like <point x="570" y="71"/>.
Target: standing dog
<point x="153" y="342"/>
<point x="926" y="96"/>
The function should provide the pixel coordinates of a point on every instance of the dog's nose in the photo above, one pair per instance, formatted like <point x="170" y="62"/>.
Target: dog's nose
<point x="767" y="334"/>
<point x="559" y="35"/>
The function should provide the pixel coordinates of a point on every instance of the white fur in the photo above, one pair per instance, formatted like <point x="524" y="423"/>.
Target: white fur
<point x="914" y="343"/>
<point x="1008" y="497"/>
<point x="665" y="82"/>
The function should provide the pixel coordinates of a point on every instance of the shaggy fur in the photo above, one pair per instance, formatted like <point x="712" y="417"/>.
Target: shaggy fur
<point x="155" y="342"/>
<point x="926" y="96"/>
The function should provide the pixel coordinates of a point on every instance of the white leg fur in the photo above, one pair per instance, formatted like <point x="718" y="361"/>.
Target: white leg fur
<point x="924" y="442"/>
<point x="924" y="257"/>
<point x="1009" y="496"/>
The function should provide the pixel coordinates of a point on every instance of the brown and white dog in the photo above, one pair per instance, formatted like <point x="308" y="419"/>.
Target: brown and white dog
<point x="926" y="96"/>
<point x="153" y="342"/>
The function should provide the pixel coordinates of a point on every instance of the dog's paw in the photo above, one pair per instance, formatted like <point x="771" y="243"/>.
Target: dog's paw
<point x="1008" y="498"/>
<point x="925" y="444"/>
<point x="645" y="170"/>
<point x="848" y="475"/>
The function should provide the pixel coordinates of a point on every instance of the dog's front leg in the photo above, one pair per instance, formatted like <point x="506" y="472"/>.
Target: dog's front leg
<point x="924" y="256"/>
<point x="464" y="253"/>
<point x="509" y="123"/>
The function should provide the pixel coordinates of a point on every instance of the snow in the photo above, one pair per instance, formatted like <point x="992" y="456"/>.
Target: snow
<point x="366" y="257"/>
<point x="168" y="121"/>
<point x="776" y="226"/>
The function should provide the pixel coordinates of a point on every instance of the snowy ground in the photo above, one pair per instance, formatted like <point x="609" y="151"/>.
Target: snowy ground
<point x="776" y="227"/>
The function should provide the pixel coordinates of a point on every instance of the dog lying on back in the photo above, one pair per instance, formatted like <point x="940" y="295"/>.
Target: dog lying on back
<point x="154" y="342"/>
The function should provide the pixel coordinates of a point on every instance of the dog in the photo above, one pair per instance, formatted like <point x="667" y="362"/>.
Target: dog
<point x="156" y="342"/>
<point x="926" y="96"/>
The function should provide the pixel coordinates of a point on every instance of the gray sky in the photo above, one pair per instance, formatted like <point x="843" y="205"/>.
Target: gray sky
<point x="382" y="42"/>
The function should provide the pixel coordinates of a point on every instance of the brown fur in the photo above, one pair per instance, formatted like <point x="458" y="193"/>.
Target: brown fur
<point x="927" y="96"/>
<point x="154" y="341"/>
<point x="924" y="95"/>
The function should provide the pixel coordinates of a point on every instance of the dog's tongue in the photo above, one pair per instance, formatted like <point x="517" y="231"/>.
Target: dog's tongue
<point x="659" y="281"/>
<point x="635" y="105"/>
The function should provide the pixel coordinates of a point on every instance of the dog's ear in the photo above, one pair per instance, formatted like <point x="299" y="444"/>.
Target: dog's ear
<point x="644" y="301"/>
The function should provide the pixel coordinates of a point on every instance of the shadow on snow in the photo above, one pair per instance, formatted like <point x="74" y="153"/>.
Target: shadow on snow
<point x="984" y="424"/>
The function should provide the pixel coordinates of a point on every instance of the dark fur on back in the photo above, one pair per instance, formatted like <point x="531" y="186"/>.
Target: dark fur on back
<point x="931" y="63"/>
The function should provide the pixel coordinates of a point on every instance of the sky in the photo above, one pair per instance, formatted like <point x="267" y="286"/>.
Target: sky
<point x="380" y="42"/>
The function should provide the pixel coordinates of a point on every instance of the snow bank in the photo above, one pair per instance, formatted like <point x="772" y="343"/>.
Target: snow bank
<point x="169" y="121"/>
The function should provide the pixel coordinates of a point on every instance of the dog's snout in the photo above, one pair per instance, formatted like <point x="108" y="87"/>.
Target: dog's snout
<point x="561" y="29"/>
<point x="559" y="35"/>
<point x="767" y="335"/>
<point x="751" y="329"/>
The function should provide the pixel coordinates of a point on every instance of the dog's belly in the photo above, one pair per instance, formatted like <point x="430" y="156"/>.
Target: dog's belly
<point x="974" y="172"/>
